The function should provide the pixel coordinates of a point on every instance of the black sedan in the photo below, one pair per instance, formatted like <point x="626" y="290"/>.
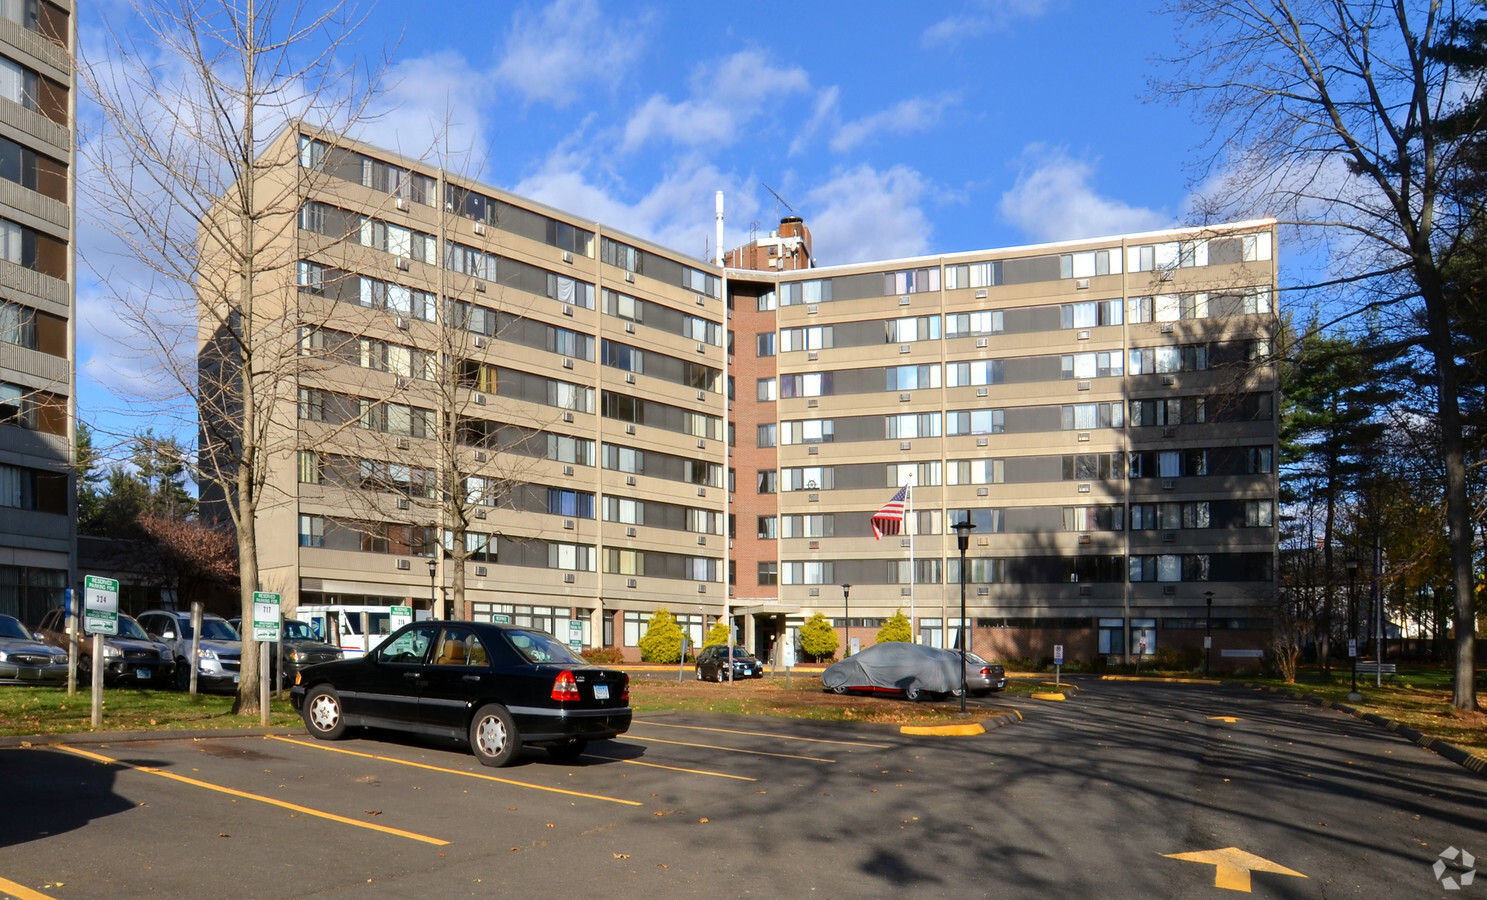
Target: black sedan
<point x="913" y="670"/>
<point x="495" y="686"/>
<point x="712" y="664"/>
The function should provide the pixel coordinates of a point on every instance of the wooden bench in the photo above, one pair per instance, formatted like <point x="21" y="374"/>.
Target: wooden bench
<point x="1375" y="668"/>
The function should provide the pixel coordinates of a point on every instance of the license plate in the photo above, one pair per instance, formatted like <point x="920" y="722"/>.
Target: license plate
<point x="601" y="692"/>
<point x="143" y="674"/>
<point x="235" y="679"/>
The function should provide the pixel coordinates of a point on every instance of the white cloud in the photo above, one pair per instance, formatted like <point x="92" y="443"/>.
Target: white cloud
<point x="723" y="97"/>
<point x="1053" y="199"/>
<point x="981" y="18"/>
<point x="904" y="117"/>
<point x="676" y="212"/>
<point x="825" y="111"/>
<point x="864" y="214"/>
<point x="550" y="55"/>
<point x="432" y="111"/>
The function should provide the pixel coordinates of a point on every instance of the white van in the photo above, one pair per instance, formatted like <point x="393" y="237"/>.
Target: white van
<point x="356" y="629"/>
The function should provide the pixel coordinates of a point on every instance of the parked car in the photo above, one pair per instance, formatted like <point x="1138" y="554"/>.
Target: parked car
<point x="26" y="660"/>
<point x="913" y="670"/>
<point x="129" y="657"/>
<point x="498" y="687"/>
<point x="301" y="648"/>
<point x="712" y="664"/>
<point x="219" y="651"/>
<point x="983" y="677"/>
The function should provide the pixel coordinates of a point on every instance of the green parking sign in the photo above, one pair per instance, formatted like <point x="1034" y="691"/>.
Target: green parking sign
<point x="100" y="605"/>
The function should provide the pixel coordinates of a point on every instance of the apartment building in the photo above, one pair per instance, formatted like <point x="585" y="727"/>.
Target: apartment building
<point x="502" y="410"/>
<point x="37" y="411"/>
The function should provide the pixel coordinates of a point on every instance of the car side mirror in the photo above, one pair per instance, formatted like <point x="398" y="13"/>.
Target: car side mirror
<point x="167" y="635"/>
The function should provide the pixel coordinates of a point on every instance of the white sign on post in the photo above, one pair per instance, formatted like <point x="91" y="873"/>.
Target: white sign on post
<point x="101" y="605"/>
<point x="1058" y="654"/>
<point x="575" y="635"/>
<point x="265" y="617"/>
<point x="399" y="616"/>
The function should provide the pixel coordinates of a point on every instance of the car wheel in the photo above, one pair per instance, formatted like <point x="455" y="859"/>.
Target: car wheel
<point x="699" y="674"/>
<point x="913" y="692"/>
<point x="568" y="751"/>
<point x="493" y="737"/>
<point x="323" y="714"/>
<point x="183" y="676"/>
<point x="839" y="689"/>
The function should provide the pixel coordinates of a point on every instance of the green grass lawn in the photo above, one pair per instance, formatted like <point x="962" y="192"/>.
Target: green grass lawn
<point x="26" y="709"/>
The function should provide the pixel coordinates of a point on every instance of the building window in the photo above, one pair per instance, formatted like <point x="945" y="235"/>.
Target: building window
<point x="767" y="481"/>
<point x="766" y="344"/>
<point x="766" y="390"/>
<point x="768" y="435"/>
<point x="768" y="528"/>
<point x="311" y="531"/>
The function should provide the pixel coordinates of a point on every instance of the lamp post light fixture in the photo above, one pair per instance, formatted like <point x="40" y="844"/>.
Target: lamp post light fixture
<point x="1207" y="633"/>
<point x="433" y="591"/>
<point x="1352" y="565"/>
<point x="847" y="619"/>
<point x="963" y="540"/>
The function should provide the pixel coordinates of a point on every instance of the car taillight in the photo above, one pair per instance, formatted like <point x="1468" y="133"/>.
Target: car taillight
<point x="986" y="671"/>
<point x="565" y="688"/>
<point x="625" y="688"/>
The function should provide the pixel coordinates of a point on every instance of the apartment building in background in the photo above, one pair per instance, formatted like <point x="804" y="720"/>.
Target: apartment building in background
<point x="1103" y="411"/>
<point x="37" y="302"/>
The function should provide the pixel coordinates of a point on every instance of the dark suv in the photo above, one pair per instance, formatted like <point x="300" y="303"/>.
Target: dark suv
<point x="712" y="664"/>
<point x="219" y="651"/>
<point x="129" y="657"/>
<point x="301" y="648"/>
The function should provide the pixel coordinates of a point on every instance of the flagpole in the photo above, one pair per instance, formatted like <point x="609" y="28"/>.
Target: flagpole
<point x="909" y="520"/>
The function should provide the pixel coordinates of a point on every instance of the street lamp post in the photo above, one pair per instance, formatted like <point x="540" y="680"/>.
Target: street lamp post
<point x="1352" y="565"/>
<point x="1208" y="633"/>
<point x="963" y="540"/>
<point x="433" y="591"/>
<point x="847" y="618"/>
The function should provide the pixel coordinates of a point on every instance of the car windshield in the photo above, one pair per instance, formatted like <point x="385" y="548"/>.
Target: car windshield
<point x="216" y="630"/>
<point x="542" y="648"/>
<point x="12" y="628"/>
<point x="128" y="628"/>
<point x="295" y="630"/>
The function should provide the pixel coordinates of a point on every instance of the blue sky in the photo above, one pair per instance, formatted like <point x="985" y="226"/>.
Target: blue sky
<point x="894" y="129"/>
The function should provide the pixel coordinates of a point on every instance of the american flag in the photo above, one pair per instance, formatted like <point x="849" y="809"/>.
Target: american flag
<point x="890" y="519"/>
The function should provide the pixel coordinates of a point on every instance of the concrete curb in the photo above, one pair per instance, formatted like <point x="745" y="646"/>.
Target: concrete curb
<point x="1464" y="758"/>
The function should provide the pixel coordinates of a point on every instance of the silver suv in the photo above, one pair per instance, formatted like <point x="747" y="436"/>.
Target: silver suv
<point x="219" y="651"/>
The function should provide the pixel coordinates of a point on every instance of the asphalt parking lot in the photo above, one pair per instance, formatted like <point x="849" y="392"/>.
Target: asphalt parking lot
<point x="1109" y="794"/>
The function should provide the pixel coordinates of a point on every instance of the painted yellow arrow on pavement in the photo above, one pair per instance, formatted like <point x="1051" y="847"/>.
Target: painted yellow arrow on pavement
<point x="1230" y="719"/>
<point x="1232" y="866"/>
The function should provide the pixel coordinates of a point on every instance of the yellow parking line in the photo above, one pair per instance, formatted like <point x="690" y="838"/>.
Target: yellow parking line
<point x="636" y="762"/>
<point x="247" y="796"/>
<point x="782" y="737"/>
<point x="631" y="737"/>
<point x="482" y="776"/>
<point x="11" y="889"/>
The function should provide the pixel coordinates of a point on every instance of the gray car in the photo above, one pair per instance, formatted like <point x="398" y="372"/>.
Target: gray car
<point x="25" y="660"/>
<point x="912" y="670"/>
<point x="219" y="654"/>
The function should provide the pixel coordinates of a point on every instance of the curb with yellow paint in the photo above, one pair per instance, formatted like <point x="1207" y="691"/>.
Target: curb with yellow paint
<point x="1160" y="680"/>
<point x="964" y="729"/>
<point x="1049" y="695"/>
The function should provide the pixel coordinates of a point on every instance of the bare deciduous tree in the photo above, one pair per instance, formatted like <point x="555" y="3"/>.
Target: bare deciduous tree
<point x="1328" y="115"/>
<point x="190" y="97"/>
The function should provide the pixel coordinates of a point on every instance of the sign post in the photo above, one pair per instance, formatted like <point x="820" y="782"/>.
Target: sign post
<point x="1058" y="663"/>
<point x="266" y="626"/>
<point x="681" y="665"/>
<point x="787" y="655"/>
<point x="101" y="616"/>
